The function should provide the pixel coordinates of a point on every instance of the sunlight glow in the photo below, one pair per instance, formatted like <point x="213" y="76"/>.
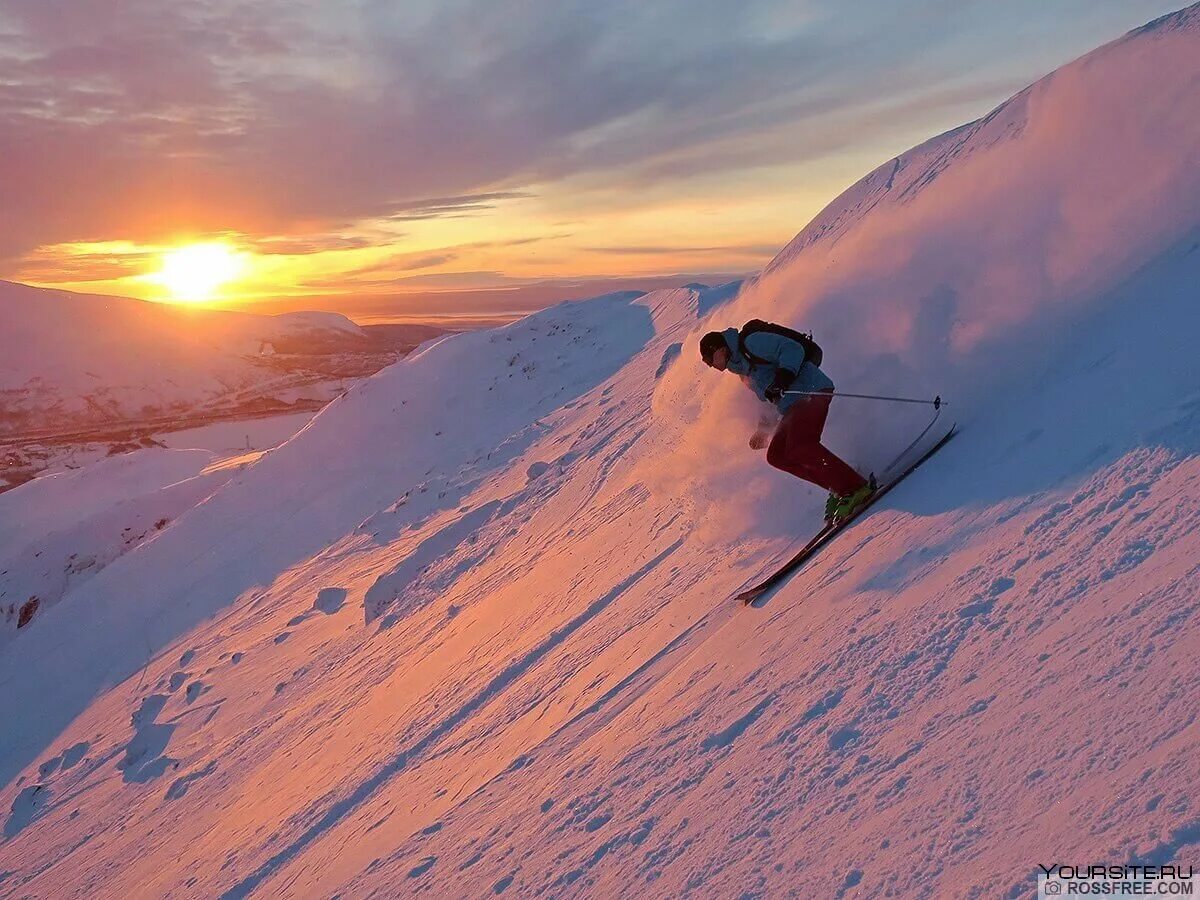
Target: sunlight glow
<point x="193" y="273"/>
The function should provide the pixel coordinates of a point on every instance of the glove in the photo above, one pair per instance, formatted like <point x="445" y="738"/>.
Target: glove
<point x="783" y="380"/>
<point x="759" y="440"/>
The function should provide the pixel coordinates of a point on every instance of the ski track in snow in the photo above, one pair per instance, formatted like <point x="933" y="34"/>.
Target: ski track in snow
<point x="465" y="638"/>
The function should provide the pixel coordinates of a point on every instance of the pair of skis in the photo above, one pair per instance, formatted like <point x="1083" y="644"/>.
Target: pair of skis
<point x="829" y="532"/>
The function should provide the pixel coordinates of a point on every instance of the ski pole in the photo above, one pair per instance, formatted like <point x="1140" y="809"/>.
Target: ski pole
<point x="937" y="402"/>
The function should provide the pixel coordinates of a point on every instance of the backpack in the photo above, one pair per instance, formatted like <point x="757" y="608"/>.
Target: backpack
<point x="812" y="350"/>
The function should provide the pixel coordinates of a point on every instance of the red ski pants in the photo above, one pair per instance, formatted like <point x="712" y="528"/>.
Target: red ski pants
<point x="796" y="448"/>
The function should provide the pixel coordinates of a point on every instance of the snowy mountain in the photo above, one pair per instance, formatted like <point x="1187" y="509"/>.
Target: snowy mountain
<point x="72" y="360"/>
<point x="469" y="632"/>
<point x="62" y="529"/>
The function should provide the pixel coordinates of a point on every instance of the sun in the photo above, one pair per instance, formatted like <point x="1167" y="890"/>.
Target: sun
<point x="193" y="273"/>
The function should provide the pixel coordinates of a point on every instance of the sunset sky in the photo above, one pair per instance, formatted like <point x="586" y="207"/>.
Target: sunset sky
<point x="327" y="151"/>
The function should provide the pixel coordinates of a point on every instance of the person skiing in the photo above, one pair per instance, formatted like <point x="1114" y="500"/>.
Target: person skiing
<point x="772" y="360"/>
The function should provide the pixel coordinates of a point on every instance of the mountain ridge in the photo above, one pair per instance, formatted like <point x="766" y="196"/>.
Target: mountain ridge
<point x="90" y="359"/>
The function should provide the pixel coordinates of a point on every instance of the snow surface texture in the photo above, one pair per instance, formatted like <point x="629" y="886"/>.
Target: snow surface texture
<point x="469" y="632"/>
<point x="59" y="530"/>
<point x="69" y="358"/>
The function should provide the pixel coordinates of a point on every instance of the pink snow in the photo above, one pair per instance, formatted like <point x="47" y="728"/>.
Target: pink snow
<point x="470" y="631"/>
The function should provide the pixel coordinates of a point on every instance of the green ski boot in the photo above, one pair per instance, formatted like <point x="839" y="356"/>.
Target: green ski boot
<point x="831" y="505"/>
<point x="847" y="506"/>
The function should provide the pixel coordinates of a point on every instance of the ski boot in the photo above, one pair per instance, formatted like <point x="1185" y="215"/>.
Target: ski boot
<point x="838" y="509"/>
<point x="831" y="505"/>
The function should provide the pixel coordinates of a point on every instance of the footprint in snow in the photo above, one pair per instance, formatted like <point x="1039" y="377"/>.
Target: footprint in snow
<point x="843" y="736"/>
<point x="668" y="357"/>
<point x="851" y="880"/>
<point x="598" y="822"/>
<point x="64" y="760"/>
<point x="979" y="608"/>
<point x="74" y="754"/>
<point x="25" y="808"/>
<point x="999" y="586"/>
<point x="422" y="867"/>
<point x="144" y="759"/>
<point x="330" y="600"/>
<point x="180" y="786"/>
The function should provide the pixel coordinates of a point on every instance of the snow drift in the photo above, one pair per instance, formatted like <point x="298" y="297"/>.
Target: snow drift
<point x="469" y="631"/>
<point x="975" y="262"/>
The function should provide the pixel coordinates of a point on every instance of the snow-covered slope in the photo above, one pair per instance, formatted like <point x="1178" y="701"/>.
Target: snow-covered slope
<point x="77" y="359"/>
<point x="59" y="530"/>
<point x="469" y="632"/>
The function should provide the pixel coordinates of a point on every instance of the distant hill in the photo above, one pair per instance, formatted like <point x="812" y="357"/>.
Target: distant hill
<point x="78" y="359"/>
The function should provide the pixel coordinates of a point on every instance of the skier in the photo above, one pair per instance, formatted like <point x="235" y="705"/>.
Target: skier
<point x="772" y="360"/>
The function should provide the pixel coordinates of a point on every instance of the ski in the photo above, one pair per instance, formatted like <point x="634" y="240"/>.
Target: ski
<point x="826" y="534"/>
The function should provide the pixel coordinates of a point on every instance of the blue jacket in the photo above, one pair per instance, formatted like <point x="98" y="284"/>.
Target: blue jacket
<point x="780" y="353"/>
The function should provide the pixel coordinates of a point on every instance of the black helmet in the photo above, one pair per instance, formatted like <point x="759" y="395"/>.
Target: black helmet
<point x="710" y="344"/>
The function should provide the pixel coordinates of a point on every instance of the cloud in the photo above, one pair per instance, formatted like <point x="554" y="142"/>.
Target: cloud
<point x="429" y="261"/>
<point x="443" y="207"/>
<point x="761" y="250"/>
<point x="307" y="245"/>
<point x="144" y="120"/>
<point x="56" y="266"/>
<point x="388" y="272"/>
<point x="368" y="277"/>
